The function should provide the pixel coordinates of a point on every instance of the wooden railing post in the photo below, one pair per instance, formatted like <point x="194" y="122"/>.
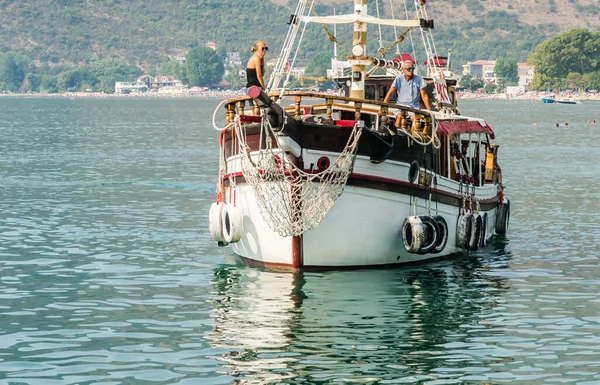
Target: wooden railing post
<point x="428" y="129"/>
<point x="241" y="107"/>
<point x="329" y="103"/>
<point x="384" y="113"/>
<point x="298" y="102"/>
<point x="357" y="107"/>
<point x="405" y="121"/>
<point x="230" y="108"/>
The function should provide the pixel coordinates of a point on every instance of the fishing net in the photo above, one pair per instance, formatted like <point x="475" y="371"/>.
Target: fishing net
<point x="290" y="199"/>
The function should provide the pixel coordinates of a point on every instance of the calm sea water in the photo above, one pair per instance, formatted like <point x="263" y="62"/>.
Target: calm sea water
<point x="108" y="274"/>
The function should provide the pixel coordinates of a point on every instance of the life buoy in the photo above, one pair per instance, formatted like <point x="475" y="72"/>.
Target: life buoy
<point x="442" y="234"/>
<point x="215" y="223"/>
<point x="232" y="223"/>
<point x="431" y="234"/>
<point x="463" y="230"/>
<point x="483" y="236"/>
<point x="414" y="171"/>
<point x="475" y="232"/>
<point x="502" y="217"/>
<point x="413" y="234"/>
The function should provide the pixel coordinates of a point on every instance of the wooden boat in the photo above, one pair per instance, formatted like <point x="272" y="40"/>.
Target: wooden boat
<point x="310" y="180"/>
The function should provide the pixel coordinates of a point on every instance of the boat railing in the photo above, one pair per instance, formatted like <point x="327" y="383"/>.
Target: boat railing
<point x="332" y="103"/>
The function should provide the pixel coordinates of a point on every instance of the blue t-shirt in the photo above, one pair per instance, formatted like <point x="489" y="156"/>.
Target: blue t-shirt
<point x="409" y="91"/>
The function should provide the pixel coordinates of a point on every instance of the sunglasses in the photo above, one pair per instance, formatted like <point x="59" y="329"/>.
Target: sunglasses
<point x="410" y="69"/>
<point x="264" y="48"/>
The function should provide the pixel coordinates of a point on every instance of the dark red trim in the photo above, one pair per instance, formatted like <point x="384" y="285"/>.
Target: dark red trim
<point x="464" y="127"/>
<point x="250" y="119"/>
<point x="411" y="185"/>
<point x="402" y="187"/>
<point x="285" y="267"/>
<point x="345" y="123"/>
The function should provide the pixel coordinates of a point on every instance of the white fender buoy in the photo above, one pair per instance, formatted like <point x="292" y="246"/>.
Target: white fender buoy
<point x="442" y="234"/>
<point x="475" y="232"/>
<point x="483" y="236"/>
<point x="463" y="230"/>
<point x="215" y="223"/>
<point x="413" y="234"/>
<point x="502" y="217"/>
<point x="431" y="234"/>
<point x="231" y="223"/>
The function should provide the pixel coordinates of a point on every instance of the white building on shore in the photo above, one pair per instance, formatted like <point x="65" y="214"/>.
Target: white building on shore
<point x="484" y="69"/>
<point x="147" y="83"/>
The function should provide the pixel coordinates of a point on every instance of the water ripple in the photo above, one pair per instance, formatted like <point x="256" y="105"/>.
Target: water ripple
<point x="108" y="274"/>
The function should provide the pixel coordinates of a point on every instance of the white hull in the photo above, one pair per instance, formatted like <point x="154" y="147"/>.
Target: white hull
<point x="363" y="228"/>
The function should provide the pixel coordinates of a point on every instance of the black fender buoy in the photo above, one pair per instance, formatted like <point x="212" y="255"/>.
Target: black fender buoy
<point x="502" y="217"/>
<point x="431" y="234"/>
<point x="484" y="225"/>
<point x="442" y="234"/>
<point x="475" y="232"/>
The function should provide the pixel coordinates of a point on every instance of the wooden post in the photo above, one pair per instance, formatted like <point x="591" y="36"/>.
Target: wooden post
<point x="384" y="112"/>
<point x="241" y="107"/>
<point x="298" y="102"/>
<point x="357" y="107"/>
<point x="329" y="103"/>
<point x="230" y="108"/>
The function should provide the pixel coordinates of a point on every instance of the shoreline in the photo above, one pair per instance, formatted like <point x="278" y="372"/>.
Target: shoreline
<point x="532" y="96"/>
<point x="152" y="95"/>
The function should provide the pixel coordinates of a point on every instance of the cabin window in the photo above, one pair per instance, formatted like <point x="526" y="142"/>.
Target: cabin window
<point x="383" y="90"/>
<point x="370" y="91"/>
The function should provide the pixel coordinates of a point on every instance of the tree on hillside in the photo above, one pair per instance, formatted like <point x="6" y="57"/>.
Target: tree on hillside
<point x="319" y="64"/>
<point x="577" y="81"/>
<point x="203" y="67"/>
<point x="31" y="82"/>
<point x="48" y="84"/>
<point x="507" y="72"/>
<point x="471" y="83"/>
<point x="575" y="51"/>
<point x="11" y="75"/>
<point x="594" y="80"/>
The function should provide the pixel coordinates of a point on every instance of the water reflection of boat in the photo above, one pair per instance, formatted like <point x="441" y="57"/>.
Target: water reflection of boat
<point x="274" y="326"/>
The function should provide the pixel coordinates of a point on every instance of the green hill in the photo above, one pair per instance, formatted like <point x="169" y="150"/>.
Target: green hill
<point x="59" y="33"/>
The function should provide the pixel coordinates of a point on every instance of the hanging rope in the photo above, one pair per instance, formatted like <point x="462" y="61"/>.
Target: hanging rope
<point x="331" y="37"/>
<point x="399" y="40"/>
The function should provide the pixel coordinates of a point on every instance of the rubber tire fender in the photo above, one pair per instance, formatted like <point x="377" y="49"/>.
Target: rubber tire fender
<point x="413" y="234"/>
<point x="475" y="232"/>
<point x="483" y="235"/>
<point x="502" y="217"/>
<point x="431" y="234"/>
<point x="463" y="230"/>
<point x="232" y="223"/>
<point x="442" y="234"/>
<point x="215" y="222"/>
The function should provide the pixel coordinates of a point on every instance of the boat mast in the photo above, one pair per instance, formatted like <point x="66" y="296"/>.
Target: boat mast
<point x="359" y="60"/>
